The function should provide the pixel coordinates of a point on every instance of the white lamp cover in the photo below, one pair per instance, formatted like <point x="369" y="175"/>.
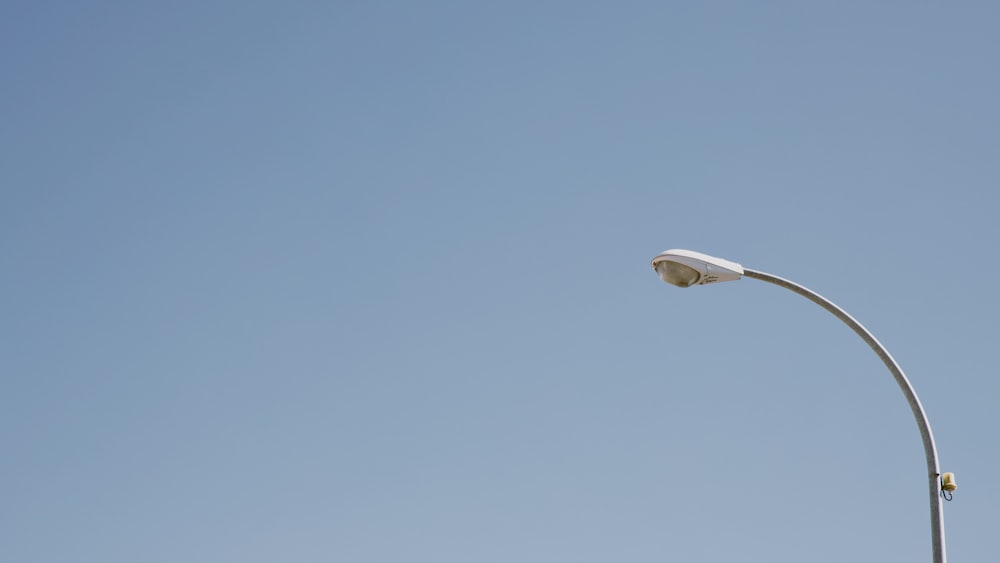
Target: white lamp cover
<point x="709" y="268"/>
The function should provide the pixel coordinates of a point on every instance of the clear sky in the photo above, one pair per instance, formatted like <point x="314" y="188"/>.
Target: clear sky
<point x="369" y="281"/>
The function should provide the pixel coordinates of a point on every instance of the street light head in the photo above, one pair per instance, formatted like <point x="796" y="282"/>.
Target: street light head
<point x="685" y="268"/>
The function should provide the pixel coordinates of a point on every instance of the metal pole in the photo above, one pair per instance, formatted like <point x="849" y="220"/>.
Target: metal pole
<point x="930" y="451"/>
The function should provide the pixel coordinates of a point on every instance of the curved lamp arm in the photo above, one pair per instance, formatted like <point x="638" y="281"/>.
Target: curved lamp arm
<point x="930" y="450"/>
<point x="685" y="268"/>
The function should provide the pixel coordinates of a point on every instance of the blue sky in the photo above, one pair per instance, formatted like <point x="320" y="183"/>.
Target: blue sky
<point x="369" y="281"/>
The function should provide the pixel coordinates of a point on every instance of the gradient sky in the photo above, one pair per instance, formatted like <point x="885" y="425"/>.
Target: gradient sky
<point x="369" y="281"/>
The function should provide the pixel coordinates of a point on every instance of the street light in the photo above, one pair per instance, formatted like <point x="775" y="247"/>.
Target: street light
<point x="685" y="268"/>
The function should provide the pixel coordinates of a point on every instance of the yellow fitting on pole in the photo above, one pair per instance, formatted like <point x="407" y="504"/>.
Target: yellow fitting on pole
<point x="948" y="482"/>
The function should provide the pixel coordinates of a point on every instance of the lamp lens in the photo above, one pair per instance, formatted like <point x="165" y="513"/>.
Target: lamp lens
<point x="677" y="274"/>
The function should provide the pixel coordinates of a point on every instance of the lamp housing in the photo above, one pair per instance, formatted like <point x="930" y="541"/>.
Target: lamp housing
<point x="685" y="268"/>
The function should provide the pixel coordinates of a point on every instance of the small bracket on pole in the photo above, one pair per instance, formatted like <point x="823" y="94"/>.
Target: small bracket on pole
<point x="948" y="485"/>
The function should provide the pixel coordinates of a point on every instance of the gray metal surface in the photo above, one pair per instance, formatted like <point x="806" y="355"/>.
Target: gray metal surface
<point x="930" y="451"/>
